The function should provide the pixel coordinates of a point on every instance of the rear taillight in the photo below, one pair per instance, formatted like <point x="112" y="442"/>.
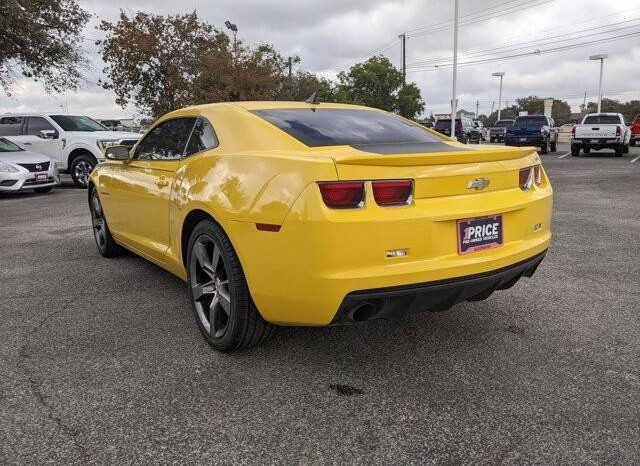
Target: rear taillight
<point x="537" y="172"/>
<point x="529" y="176"/>
<point x="573" y="131"/>
<point x="343" y="195"/>
<point x="526" y="178"/>
<point x="392" y="193"/>
<point x="618" y="131"/>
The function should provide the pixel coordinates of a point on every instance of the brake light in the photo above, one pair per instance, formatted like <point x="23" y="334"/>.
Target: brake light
<point x="573" y="131"/>
<point x="343" y="195"/>
<point x="537" y="171"/>
<point x="618" y="131"/>
<point x="526" y="178"/>
<point x="392" y="193"/>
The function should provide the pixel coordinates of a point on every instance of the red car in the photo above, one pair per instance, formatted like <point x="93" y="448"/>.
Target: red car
<point x="635" y="131"/>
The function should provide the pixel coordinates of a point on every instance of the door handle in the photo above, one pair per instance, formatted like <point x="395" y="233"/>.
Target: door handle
<point x="26" y="143"/>
<point x="162" y="182"/>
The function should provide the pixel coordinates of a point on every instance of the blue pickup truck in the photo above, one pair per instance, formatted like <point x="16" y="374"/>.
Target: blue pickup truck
<point x="533" y="130"/>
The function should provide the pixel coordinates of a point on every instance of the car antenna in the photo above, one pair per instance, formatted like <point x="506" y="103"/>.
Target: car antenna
<point x="313" y="99"/>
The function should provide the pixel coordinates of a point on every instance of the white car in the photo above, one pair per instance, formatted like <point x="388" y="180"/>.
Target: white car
<point x="75" y="143"/>
<point x="22" y="170"/>
<point x="601" y="131"/>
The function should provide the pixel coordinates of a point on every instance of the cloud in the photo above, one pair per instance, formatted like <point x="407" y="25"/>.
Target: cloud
<point x="331" y="35"/>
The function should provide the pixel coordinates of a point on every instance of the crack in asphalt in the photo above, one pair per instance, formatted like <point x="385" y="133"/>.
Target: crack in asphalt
<point x="36" y="385"/>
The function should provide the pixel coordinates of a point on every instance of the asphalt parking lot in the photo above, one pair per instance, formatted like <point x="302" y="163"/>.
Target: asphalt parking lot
<point x="102" y="361"/>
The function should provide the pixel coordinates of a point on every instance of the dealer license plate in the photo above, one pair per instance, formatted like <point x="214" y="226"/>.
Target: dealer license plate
<point x="42" y="177"/>
<point x="594" y="141"/>
<point x="523" y="139"/>
<point x="476" y="234"/>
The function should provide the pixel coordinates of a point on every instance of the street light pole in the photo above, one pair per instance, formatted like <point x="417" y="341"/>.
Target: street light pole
<point x="454" y="100"/>
<point x="403" y="44"/>
<point x="600" y="57"/>
<point x="501" y="75"/>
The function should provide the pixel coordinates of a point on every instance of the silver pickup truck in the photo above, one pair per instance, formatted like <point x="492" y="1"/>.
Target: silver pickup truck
<point x="601" y="131"/>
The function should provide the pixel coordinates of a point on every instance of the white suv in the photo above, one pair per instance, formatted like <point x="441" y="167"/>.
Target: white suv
<point x="74" y="143"/>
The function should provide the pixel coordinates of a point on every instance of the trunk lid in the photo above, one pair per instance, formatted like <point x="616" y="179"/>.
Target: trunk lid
<point x="596" y="131"/>
<point x="442" y="172"/>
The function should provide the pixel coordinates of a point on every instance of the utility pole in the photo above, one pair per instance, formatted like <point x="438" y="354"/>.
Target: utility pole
<point x="493" y="104"/>
<point x="403" y="45"/>
<point x="501" y="75"/>
<point x="477" y="106"/>
<point x="454" y="99"/>
<point x="290" y="65"/>
<point x="584" y="103"/>
<point x="600" y="57"/>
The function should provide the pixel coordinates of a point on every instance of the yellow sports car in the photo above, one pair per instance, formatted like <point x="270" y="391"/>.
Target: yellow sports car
<point x="287" y="213"/>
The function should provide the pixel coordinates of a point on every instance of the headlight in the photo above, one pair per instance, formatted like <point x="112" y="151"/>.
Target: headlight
<point x="6" y="168"/>
<point x="104" y="143"/>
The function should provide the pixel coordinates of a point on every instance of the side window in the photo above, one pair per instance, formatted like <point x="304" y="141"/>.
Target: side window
<point x="10" y="126"/>
<point x="202" y="138"/>
<point x="167" y="141"/>
<point x="37" y="124"/>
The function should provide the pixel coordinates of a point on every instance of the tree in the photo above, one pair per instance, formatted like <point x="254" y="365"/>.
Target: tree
<point x="38" y="40"/>
<point x="377" y="83"/>
<point x="163" y="63"/>
<point x="560" y="111"/>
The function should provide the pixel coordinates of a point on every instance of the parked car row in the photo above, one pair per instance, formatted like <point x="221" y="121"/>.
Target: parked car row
<point x="72" y="144"/>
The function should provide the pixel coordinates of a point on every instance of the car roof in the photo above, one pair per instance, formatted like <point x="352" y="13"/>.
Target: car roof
<point x="268" y="105"/>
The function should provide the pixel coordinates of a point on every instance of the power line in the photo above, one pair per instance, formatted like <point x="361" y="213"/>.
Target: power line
<point x="525" y="54"/>
<point x="536" y="43"/>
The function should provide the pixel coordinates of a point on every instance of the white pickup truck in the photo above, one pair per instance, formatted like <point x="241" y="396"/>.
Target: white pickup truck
<point x="601" y="131"/>
<point x="74" y="143"/>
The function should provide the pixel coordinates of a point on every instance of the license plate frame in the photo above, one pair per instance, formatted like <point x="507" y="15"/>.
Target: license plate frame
<point x="523" y="139"/>
<point x="490" y="235"/>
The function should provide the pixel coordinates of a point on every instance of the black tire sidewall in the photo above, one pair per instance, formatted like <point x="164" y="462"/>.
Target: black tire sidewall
<point x="238" y="289"/>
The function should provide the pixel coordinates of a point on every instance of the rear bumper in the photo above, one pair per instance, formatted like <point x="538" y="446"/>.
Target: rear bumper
<point x="596" y="142"/>
<point x="528" y="140"/>
<point x="400" y="301"/>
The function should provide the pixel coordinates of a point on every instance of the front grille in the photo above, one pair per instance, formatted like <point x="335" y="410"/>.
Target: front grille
<point x="33" y="182"/>
<point x="36" y="167"/>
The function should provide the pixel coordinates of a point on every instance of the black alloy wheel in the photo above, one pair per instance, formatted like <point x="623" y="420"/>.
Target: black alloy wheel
<point x="221" y="302"/>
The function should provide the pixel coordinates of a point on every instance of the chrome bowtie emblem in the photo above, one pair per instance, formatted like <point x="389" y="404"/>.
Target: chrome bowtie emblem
<point x="478" y="184"/>
<point x="38" y="167"/>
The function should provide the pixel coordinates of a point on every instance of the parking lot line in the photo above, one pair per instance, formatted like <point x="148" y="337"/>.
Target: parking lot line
<point x="564" y="155"/>
<point x="634" y="160"/>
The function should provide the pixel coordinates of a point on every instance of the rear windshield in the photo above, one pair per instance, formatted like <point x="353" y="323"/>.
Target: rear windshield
<point x="530" y="121"/>
<point x="446" y="123"/>
<point x="503" y="123"/>
<point x="337" y="126"/>
<point x="602" y="120"/>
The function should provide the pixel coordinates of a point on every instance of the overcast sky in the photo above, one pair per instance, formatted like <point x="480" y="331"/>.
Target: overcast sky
<point x="331" y="35"/>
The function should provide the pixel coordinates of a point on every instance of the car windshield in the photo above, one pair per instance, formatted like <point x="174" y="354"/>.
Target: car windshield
<point x="503" y="123"/>
<point x="77" y="123"/>
<point x="339" y="126"/>
<point x="530" y="122"/>
<point x="602" y="120"/>
<point x="8" y="146"/>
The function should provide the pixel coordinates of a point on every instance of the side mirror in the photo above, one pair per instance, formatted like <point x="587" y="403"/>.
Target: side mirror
<point x="48" y="134"/>
<point x="117" y="152"/>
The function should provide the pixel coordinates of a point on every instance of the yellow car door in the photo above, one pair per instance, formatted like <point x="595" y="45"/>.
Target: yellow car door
<point x="140" y="188"/>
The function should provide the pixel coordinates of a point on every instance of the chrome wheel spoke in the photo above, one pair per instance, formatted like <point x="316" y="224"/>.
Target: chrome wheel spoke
<point x="204" y="260"/>
<point x="210" y="287"/>
<point x="223" y="295"/>
<point x="218" y="318"/>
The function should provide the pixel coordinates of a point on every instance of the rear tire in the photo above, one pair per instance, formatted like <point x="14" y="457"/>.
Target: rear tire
<point x="587" y="150"/>
<point x="625" y="149"/>
<point x="632" y="143"/>
<point x="80" y="169"/>
<point x="619" y="150"/>
<point x="222" y="305"/>
<point x="101" y="233"/>
<point x="554" y="146"/>
<point x="575" y="151"/>
<point x="544" y="149"/>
